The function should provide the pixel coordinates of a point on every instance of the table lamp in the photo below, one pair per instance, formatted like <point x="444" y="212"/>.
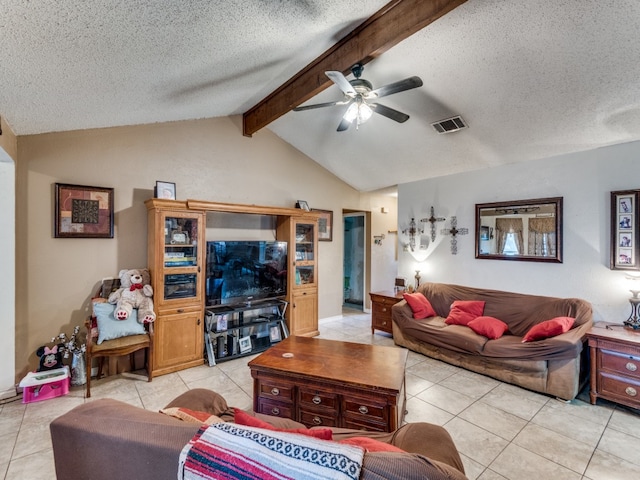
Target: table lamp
<point x="634" y="287"/>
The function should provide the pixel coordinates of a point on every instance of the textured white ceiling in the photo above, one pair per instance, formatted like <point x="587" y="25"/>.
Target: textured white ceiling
<point x="532" y="78"/>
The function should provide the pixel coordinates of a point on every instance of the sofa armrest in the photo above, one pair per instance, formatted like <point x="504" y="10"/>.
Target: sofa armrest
<point x="106" y="439"/>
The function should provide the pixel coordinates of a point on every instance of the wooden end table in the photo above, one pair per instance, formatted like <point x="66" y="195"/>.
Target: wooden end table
<point x="331" y="383"/>
<point x="381" y="303"/>
<point x="615" y="364"/>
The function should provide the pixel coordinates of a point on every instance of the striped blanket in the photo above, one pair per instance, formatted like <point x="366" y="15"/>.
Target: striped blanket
<point x="228" y="451"/>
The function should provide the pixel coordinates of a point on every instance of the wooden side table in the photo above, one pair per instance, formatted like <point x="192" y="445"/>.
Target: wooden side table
<point x="381" y="303"/>
<point x="615" y="364"/>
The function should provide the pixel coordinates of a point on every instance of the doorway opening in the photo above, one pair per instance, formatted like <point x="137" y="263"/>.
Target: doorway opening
<point x="354" y="265"/>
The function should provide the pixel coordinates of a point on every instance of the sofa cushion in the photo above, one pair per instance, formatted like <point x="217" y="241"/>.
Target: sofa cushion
<point x="420" y="306"/>
<point x="549" y="328"/>
<point x="490" y="327"/>
<point x="243" y="418"/>
<point x="435" y="331"/>
<point x="463" y="311"/>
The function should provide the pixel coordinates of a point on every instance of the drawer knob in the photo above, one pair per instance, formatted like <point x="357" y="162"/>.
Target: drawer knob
<point x="317" y="420"/>
<point x="316" y="400"/>
<point x="275" y="392"/>
<point x="384" y="309"/>
<point x="630" y="391"/>
<point x="384" y="323"/>
<point x="363" y="410"/>
<point x="275" y="411"/>
<point x="632" y="367"/>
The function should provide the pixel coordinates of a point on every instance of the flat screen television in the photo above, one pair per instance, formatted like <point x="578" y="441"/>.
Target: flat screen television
<point x="239" y="272"/>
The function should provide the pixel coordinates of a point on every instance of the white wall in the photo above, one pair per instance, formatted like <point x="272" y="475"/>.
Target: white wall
<point x="7" y="279"/>
<point x="584" y="180"/>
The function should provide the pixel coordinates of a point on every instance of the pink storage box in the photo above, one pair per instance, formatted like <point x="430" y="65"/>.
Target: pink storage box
<point x="38" y="386"/>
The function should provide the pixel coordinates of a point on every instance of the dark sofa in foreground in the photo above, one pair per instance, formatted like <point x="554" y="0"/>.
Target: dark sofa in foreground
<point x="555" y="366"/>
<point x="107" y="439"/>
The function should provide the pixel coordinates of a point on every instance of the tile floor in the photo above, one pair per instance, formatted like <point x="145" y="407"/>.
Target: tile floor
<point x="502" y="431"/>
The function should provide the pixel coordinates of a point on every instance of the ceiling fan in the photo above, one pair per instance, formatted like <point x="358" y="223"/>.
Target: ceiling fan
<point x="361" y="98"/>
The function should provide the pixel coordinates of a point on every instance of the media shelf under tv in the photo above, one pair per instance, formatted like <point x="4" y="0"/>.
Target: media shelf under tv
<point x="234" y="331"/>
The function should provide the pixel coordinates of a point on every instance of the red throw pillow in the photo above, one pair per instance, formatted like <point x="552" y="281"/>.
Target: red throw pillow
<point x="371" y="444"/>
<point x="243" y="418"/>
<point x="419" y="304"/>
<point x="489" y="327"/>
<point x="463" y="311"/>
<point x="549" y="328"/>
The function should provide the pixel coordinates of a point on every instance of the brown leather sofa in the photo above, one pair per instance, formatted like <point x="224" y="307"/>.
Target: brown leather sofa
<point x="555" y="366"/>
<point x="106" y="439"/>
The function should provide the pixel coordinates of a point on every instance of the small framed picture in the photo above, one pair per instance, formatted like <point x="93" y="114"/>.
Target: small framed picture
<point x="274" y="333"/>
<point x="625" y="230"/>
<point x="484" y="233"/>
<point x="166" y="190"/>
<point x="325" y="225"/>
<point x="303" y="205"/>
<point x="245" y="344"/>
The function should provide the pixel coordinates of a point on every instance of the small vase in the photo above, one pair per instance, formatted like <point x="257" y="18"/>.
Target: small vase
<point x="78" y="369"/>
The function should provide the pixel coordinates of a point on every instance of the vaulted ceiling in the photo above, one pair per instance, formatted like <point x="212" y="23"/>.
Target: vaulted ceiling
<point x="532" y="78"/>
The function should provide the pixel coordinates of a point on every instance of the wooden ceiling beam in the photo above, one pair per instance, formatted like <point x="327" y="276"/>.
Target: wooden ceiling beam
<point x="390" y="25"/>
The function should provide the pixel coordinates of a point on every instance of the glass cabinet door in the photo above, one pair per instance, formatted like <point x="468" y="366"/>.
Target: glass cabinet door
<point x="180" y="257"/>
<point x="305" y="245"/>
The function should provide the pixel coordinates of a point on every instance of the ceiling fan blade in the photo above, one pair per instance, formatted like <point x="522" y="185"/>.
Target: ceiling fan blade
<point x="401" y="86"/>
<point x="341" y="81"/>
<point x="389" y="112"/>
<point x="318" y="105"/>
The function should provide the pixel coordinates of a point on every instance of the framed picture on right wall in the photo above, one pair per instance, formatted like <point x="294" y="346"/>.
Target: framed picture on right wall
<point x="625" y="235"/>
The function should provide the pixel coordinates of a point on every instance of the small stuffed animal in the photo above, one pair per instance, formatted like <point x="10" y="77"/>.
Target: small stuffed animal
<point x="50" y="358"/>
<point x="134" y="292"/>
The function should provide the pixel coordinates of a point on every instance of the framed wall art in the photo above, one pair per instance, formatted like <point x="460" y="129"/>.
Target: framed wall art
<point x="325" y="225"/>
<point x="625" y="234"/>
<point x="83" y="211"/>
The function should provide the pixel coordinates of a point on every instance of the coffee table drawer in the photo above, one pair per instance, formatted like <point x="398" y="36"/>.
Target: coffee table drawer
<point x="316" y="419"/>
<point x="365" y="409"/>
<point x="310" y="397"/>
<point x="276" y="390"/>
<point x="275" y="409"/>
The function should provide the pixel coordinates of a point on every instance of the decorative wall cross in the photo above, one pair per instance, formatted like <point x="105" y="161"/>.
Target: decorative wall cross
<point x="412" y="231"/>
<point x="454" y="231"/>
<point x="432" y="220"/>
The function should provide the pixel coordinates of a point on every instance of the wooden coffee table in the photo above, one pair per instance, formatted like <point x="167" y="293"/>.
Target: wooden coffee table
<point x="331" y="383"/>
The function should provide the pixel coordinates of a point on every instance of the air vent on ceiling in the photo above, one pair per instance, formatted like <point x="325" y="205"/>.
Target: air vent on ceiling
<point x="449" y="125"/>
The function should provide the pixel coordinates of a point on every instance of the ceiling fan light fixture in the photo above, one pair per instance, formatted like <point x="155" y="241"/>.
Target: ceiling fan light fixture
<point x="359" y="111"/>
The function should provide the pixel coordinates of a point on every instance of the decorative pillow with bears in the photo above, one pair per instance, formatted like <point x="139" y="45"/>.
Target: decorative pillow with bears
<point x="110" y="328"/>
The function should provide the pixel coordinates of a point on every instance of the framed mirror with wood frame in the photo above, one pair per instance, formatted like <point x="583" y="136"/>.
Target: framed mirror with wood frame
<point x="524" y="230"/>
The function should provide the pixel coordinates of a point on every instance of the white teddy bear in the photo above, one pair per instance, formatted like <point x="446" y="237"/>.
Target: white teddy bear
<point x="134" y="292"/>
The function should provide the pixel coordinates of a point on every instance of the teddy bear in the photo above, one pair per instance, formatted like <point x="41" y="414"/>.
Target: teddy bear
<point x="134" y="292"/>
<point x="50" y="358"/>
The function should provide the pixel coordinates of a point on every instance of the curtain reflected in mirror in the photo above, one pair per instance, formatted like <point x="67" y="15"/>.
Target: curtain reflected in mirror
<point x="528" y="230"/>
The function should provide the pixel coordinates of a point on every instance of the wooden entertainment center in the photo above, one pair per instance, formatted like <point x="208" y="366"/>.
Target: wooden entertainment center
<point x="176" y="259"/>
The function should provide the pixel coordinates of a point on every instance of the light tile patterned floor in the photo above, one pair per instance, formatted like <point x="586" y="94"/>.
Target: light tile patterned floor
<point x="502" y="431"/>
